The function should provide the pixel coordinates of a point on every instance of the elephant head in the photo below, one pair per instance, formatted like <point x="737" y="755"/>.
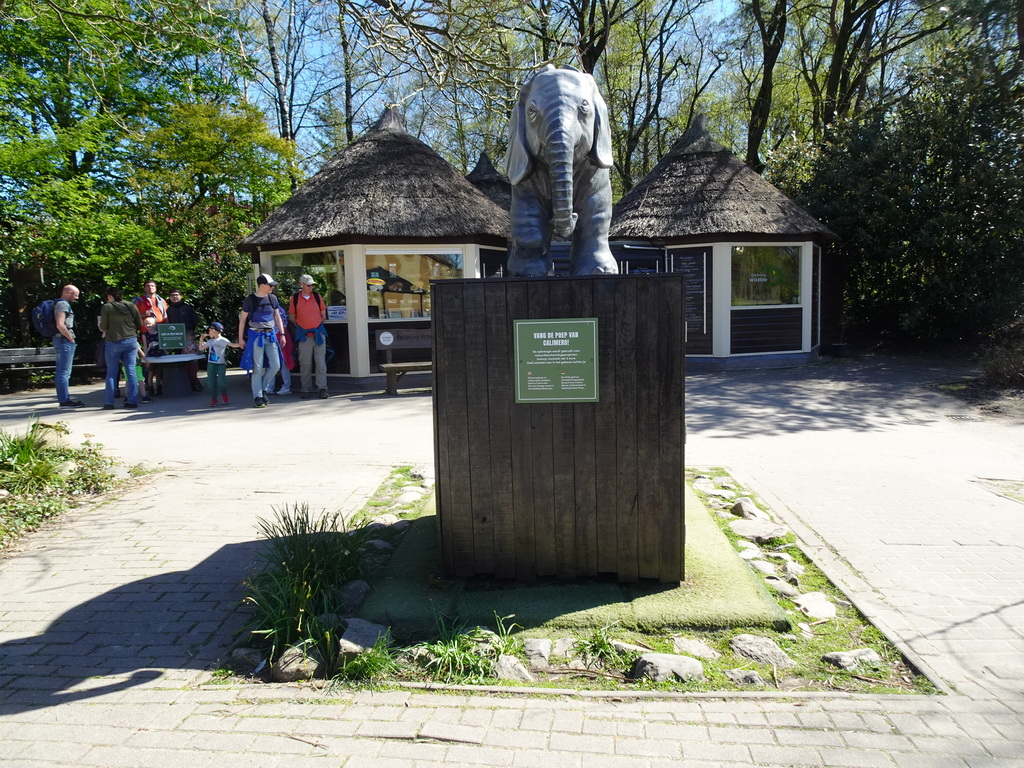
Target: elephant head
<point x="560" y="123"/>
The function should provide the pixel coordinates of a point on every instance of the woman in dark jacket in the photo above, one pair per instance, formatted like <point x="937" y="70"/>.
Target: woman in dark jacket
<point x="121" y="322"/>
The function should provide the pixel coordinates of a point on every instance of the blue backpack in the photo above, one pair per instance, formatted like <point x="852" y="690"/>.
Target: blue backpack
<point x="44" y="320"/>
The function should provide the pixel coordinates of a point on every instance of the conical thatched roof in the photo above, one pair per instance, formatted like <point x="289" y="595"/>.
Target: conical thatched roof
<point x="701" y="191"/>
<point x="488" y="180"/>
<point x="385" y="187"/>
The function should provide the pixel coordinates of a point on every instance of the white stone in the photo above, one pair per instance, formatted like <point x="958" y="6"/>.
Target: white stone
<point x="763" y="566"/>
<point x="359" y="636"/>
<point x="694" y="647"/>
<point x="511" y="668"/>
<point x="748" y="510"/>
<point x="300" y="662"/>
<point x="784" y="588"/>
<point x="409" y="497"/>
<point x="538" y="652"/>
<point x="564" y="646"/>
<point x="660" y="667"/>
<point x="751" y="554"/>
<point x="761" y="649"/>
<point x="852" y="659"/>
<point x="622" y="647"/>
<point x="816" y="605"/>
<point x="744" y="677"/>
<point x="759" y="531"/>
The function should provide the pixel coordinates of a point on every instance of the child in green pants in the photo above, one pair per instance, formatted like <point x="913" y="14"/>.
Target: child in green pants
<point x="215" y="345"/>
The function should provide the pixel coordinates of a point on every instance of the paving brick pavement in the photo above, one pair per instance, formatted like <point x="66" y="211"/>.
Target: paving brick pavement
<point x="111" y="620"/>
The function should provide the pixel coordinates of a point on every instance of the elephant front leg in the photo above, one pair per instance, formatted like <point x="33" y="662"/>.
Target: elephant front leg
<point x="531" y="235"/>
<point x="590" y="252"/>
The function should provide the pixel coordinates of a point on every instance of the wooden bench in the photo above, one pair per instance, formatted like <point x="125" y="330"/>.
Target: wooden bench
<point x="414" y="338"/>
<point x="26" y="360"/>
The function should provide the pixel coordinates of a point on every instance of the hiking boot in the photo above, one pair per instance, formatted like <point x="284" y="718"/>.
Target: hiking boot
<point x="71" y="404"/>
<point x="108" y="406"/>
<point x="131" y="406"/>
<point x="224" y="398"/>
<point x="213" y="402"/>
<point x="259" y="402"/>
<point x="323" y="394"/>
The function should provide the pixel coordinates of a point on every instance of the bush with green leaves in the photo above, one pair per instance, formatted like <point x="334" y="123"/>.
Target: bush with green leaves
<point x="44" y="475"/>
<point x="307" y="558"/>
<point x="462" y="654"/>
<point x="1002" y="359"/>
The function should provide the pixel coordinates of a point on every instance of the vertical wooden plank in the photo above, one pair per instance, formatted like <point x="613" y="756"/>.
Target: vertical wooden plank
<point x="459" y="522"/>
<point x="605" y="439"/>
<point x="522" y="447"/>
<point x="541" y="448"/>
<point x="500" y="400"/>
<point x="672" y="323"/>
<point x="442" y="460"/>
<point x="563" y="456"/>
<point x="626" y="429"/>
<point x="585" y="450"/>
<point x="651" y="492"/>
<point x="481" y="504"/>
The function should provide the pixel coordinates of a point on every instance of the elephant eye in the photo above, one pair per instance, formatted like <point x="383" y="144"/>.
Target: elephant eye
<point x="533" y="112"/>
<point x="585" y="107"/>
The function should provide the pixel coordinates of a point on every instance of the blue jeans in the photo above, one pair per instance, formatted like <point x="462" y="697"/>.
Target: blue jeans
<point x="116" y="354"/>
<point x="65" y="357"/>
<point x="266" y="362"/>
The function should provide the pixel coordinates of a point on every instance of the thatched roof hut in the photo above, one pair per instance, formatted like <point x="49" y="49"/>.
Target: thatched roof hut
<point x="700" y="191"/>
<point x="385" y="187"/>
<point x="489" y="180"/>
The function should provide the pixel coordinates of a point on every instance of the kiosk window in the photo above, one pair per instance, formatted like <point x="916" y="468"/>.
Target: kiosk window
<point x="765" y="275"/>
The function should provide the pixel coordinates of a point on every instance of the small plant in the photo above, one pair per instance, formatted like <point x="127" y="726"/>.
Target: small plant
<point x="459" y="655"/>
<point x="372" y="666"/>
<point x="308" y="558"/>
<point x="598" y="647"/>
<point x="504" y="643"/>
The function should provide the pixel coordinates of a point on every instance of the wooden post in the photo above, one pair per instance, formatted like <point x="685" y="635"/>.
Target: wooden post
<point x="568" y="488"/>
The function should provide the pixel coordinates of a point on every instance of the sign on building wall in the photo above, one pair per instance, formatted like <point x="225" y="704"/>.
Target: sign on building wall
<point x="556" y="361"/>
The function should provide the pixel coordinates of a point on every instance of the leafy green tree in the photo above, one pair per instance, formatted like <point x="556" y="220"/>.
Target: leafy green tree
<point x="929" y="205"/>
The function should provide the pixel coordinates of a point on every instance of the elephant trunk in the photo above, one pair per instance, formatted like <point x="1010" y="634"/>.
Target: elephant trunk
<point x="561" y="154"/>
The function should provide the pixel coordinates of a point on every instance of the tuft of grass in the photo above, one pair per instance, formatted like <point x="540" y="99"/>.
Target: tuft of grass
<point x="371" y="667"/>
<point x="307" y="559"/>
<point x="44" y="477"/>
<point x="596" y="646"/>
<point x="455" y="656"/>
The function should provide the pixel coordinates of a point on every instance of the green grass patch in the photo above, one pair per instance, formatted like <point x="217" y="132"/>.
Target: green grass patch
<point x="44" y="476"/>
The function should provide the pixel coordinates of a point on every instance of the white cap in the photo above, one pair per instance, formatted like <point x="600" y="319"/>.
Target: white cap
<point x="265" y="279"/>
<point x="306" y="280"/>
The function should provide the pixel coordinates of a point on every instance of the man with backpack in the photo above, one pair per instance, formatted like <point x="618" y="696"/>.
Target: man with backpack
<point x="64" y="344"/>
<point x="260" y="333"/>
<point x="308" y="311"/>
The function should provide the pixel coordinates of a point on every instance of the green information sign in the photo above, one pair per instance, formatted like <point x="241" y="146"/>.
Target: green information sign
<point x="556" y="360"/>
<point x="171" y="336"/>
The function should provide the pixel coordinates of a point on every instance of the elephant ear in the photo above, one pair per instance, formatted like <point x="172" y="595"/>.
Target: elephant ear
<point x="601" y="151"/>
<point x="518" y="162"/>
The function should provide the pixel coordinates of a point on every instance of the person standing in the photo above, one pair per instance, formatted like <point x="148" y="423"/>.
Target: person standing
<point x="149" y="303"/>
<point x="215" y="345"/>
<point x="121" y="323"/>
<point x="260" y="331"/>
<point x="178" y="311"/>
<point x="308" y="312"/>
<point x="64" y="345"/>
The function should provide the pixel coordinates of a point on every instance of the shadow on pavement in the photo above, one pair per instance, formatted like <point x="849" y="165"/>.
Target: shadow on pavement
<point x="180" y="620"/>
<point x="863" y="394"/>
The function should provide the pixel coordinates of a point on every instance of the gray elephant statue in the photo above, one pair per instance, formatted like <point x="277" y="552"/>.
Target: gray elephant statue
<point x="559" y="153"/>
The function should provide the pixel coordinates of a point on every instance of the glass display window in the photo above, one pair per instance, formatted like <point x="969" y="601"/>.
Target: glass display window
<point x="765" y="275"/>
<point x="398" y="284"/>
<point x="327" y="268"/>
